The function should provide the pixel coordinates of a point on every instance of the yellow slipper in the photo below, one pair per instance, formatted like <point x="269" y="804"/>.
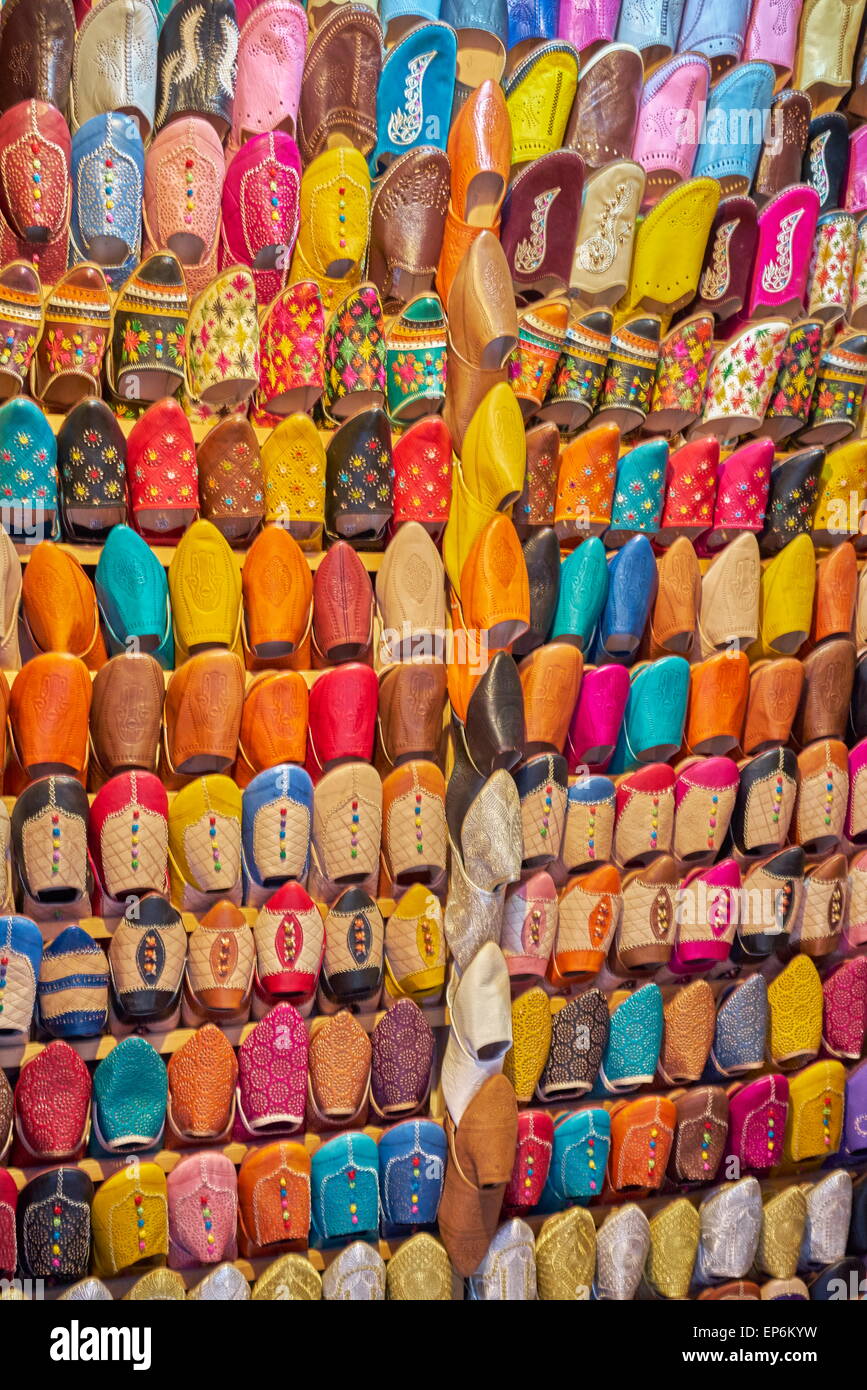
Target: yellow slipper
<point x="420" y="1271"/>
<point x="468" y="517"/>
<point x="531" y="1042"/>
<point x="205" y="591"/>
<point x="494" y="453"/>
<point x="669" y="250"/>
<point x="566" y="1256"/>
<point x="293" y="466"/>
<point x="841" y="493"/>
<point x="783" y="1220"/>
<point x="815" y="1120"/>
<point x="129" y="1219"/>
<point x="333" y="223"/>
<point x="205" y="844"/>
<point x="291" y="1277"/>
<point x="674" y="1235"/>
<point x="786" y="601"/>
<point x="795" y="1014"/>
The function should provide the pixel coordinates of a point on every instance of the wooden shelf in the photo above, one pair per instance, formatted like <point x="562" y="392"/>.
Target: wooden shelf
<point x="100" y="1168"/>
<point x="201" y="429"/>
<point x="89" y="555"/>
<point x="311" y="677"/>
<point x="103" y="928"/>
<point x="18" y="1054"/>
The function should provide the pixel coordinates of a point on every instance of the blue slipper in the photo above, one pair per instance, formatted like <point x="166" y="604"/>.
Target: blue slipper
<point x="632" y="584"/>
<point x="638" y="493"/>
<point x="749" y="87"/>
<point x="634" y="1039"/>
<point x="107" y="191"/>
<point x="72" y="995"/>
<point x="414" y="97"/>
<point x="21" y="944"/>
<point x="411" y="1192"/>
<point x="276" y="821"/>
<point x="531" y="20"/>
<point x="133" y="594"/>
<point x="582" y="594"/>
<point x="741" y="1029"/>
<point x="130" y="1094"/>
<point x="580" y="1153"/>
<point x="28" y="472"/>
<point x="652" y="729"/>
<point x="344" y="1184"/>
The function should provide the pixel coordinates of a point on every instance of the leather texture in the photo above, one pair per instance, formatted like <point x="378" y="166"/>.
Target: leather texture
<point x="46" y="1130"/>
<point x="271" y="48"/>
<point x="202" y="1076"/>
<point x="126" y="713"/>
<point x="221" y="956"/>
<point x="161" y="468"/>
<point x="36" y="52"/>
<point x="416" y="83"/>
<point x="107" y="33"/>
<point x="50" y="853"/>
<point x="481" y="1158"/>
<point x="352" y="968"/>
<point x="196" y="63"/>
<point x="349" y="41"/>
<point x="128" y="837"/>
<point x="407" y="218"/>
<point x="322" y="238"/>
<point x="203" y="1211"/>
<point x="540" y="222"/>
<point x="346" y="1159"/>
<point x="231" y="485"/>
<point x="411" y="706"/>
<point x="202" y="714"/>
<point x="358" y="508"/>
<point x="205" y="867"/>
<point x="273" y="723"/>
<point x="91" y="466"/>
<point x="205" y="590"/>
<point x="130" y="1091"/>
<point x="146" y="959"/>
<point x="107" y="171"/>
<point x="59" y="608"/>
<point x="342" y="606"/>
<point x="184" y="165"/>
<point x="275" y="828"/>
<point x="41" y="1255"/>
<point x="272" y="1076"/>
<point x="274" y="1200"/>
<point x="120" y="1206"/>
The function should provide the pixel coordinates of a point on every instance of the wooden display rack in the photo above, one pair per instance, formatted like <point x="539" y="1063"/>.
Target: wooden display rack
<point x="14" y="1055"/>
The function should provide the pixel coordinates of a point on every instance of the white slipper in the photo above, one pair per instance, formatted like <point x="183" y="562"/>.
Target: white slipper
<point x="481" y="1027"/>
<point x="357" y="1275"/>
<point x="622" y="1248"/>
<point x="507" y="1274"/>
